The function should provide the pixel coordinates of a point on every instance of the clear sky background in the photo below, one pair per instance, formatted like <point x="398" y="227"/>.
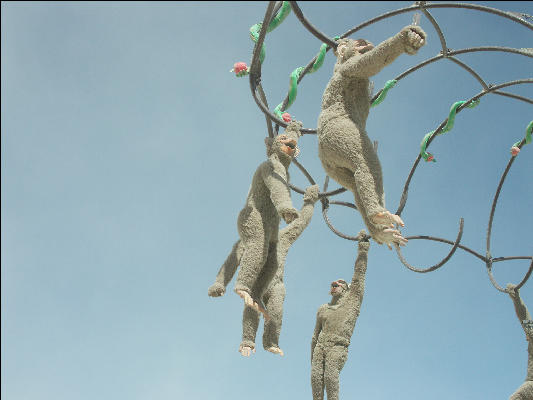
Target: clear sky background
<point x="127" y="152"/>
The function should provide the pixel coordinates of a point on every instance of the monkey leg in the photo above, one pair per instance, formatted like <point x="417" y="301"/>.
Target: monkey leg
<point x="227" y="271"/>
<point x="255" y="239"/>
<point x="343" y="145"/>
<point x="274" y="302"/>
<point x="264" y="279"/>
<point x="250" y="322"/>
<point x="524" y="392"/>
<point x="317" y="372"/>
<point x="335" y="358"/>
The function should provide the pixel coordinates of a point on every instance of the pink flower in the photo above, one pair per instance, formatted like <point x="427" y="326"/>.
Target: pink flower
<point x="514" y="151"/>
<point x="239" y="67"/>
<point x="286" y="117"/>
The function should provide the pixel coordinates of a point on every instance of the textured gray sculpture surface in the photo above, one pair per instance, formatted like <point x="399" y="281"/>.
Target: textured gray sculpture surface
<point x="268" y="200"/>
<point x="334" y="327"/>
<point x="275" y="295"/>
<point x="525" y="391"/>
<point x="346" y="152"/>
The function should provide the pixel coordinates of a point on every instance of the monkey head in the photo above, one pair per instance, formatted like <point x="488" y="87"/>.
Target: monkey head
<point x="338" y="288"/>
<point x="347" y="48"/>
<point x="285" y="145"/>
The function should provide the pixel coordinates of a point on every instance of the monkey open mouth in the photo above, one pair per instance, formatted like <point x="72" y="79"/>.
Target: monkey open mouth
<point x="292" y="145"/>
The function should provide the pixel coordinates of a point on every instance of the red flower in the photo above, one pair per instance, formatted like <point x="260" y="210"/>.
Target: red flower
<point x="239" y="67"/>
<point x="286" y="117"/>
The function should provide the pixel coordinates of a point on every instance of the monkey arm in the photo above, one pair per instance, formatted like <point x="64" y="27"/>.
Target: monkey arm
<point x="227" y="270"/>
<point x="408" y="40"/>
<point x="521" y="312"/>
<point x="373" y="61"/>
<point x="276" y="180"/>
<point x="354" y="297"/>
<point x="291" y="232"/>
<point x="318" y="329"/>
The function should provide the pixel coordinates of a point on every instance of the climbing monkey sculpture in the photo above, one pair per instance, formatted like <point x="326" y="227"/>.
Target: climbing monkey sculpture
<point x="335" y="323"/>
<point x="346" y="152"/>
<point x="268" y="200"/>
<point x="274" y="296"/>
<point x="525" y="391"/>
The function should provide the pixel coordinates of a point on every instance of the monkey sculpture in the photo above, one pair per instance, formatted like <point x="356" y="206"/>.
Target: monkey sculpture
<point x="268" y="199"/>
<point x="274" y="296"/>
<point x="525" y="391"/>
<point x="335" y="323"/>
<point x="346" y="152"/>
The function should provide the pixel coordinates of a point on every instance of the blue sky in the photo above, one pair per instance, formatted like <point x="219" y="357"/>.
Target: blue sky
<point x="127" y="152"/>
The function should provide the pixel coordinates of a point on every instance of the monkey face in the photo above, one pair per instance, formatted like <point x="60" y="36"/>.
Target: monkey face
<point x="338" y="287"/>
<point x="361" y="46"/>
<point x="287" y="145"/>
<point x="348" y="48"/>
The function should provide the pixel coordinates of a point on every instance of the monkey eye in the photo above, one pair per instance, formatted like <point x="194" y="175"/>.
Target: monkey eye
<point x="291" y="145"/>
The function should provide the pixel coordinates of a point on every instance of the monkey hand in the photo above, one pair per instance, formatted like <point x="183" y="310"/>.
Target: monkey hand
<point x="217" y="289"/>
<point x="289" y="214"/>
<point x="386" y="218"/>
<point x="414" y="38"/>
<point x="245" y="350"/>
<point x="388" y="236"/>
<point x="311" y="194"/>
<point x="249" y="301"/>
<point x="512" y="290"/>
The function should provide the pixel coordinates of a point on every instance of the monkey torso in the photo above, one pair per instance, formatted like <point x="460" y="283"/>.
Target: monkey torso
<point x="338" y="322"/>
<point x="259" y="208"/>
<point x="345" y="98"/>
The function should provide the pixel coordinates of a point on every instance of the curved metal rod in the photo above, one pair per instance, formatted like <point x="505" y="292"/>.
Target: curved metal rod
<point x="514" y="96"/>
<point x="498" y="259"/>
<point x="528" y="274"/>
<point x="482" y="258"/>
<point x="453" y="53"/>
<point x="501" y="289"/>
<point x="418" y="158"/>
<point x="335" y="231"/>
<point x="254" y="81"/>
<point x="255" y="65"/>
<point x="264" y="99"/>
<point x="472" y="72"/>
<point x="319" y="35"/>
<point x="437" y="28"/>
<point x="442" y="262"/>
<point x="495" y="199"/>
<point x="312" y="181"/>
<point x="490" y="48"/>
<point x="436" y="239"/>
<point x="438" y="5"/>
<point x="325" y="206"/>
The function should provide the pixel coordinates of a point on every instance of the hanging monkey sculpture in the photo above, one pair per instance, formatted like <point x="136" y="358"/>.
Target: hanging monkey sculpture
<point x="274" y="296"/>
<point x="525" y="391"/>
<point x="268" y="200"/>
<point x="335" y="322"/>
<point x="346" y="152"/>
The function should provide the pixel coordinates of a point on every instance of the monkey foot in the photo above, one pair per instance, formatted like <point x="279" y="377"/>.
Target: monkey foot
<point x="275" y="350"/>
<point x="386" y="218"/>
<point x="389" y="236"/>
<point x="249" y="301"/>
<point x="216" y="290"/>
<point x="245" y="350"/>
